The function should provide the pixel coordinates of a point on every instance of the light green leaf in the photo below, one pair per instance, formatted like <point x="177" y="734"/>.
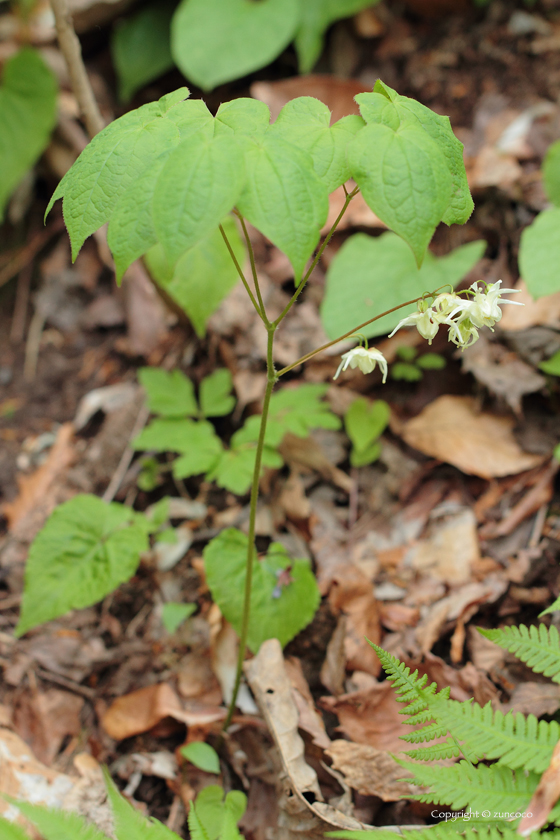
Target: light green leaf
<point x="300" y="409"/>
<point x="173" y="614"/>
<point x="199" y="184"/>
<point x="406" y="372"/>
<point x="403" y="177"/>
<point x="431" y="361"/>
<point x="284" y="198"/>
<point x="86" y="550"/>
<point x="234" y="470"/>
<point x="10" y="831"/>
<point x="211" y="809"/>
<point x="129" y="823"/>
<point x="284" y="595"/>
<point x="28" y="107"/>
<point x="215" y="395"/>
<point x="552" y="365"/>
<point x="198" y="444"/>
<point x="158" y="514"/>
<point x="169" y="393"/>
<point x="539" y="254"/>
<point x="246" y="117"/>
<point x="316" y="17"/>
<point x="364" y="423"/>
<point x="370" y="275"/>
<point x="202" y="276"/>
<point x="551" y="173"/>
<point x="305" y="122"/>
<point x="114" y="159"/>
<point x="203" y="756"/>
<point x="214" y="42"/>
<point x="55" y="825"/>
<point x="140" y="47"/>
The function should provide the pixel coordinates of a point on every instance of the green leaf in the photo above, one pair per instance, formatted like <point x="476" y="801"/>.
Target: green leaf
<point x="284" y="198"/>
<point x="211" y="809"/>
<point x="215" y="394"/>
<point x="56" y="825"/>
<point x="28" y="106"/>
<point x="169" y="393"/>
<point x="284" y="594"/>
<point x="129" y="823"/>
<point x="370" y="275"/>
<point x="214" y="42"/>
<point x="406" y="372"/>
<point x="246" y="117"/>
<point x="198" y="444"/>
<point x="140" y="47"/>
<point x="202" y="276"/>
<point x="234" y="470"/>
<point x="431" y="361"/>
<point x="10" y="831"/>
<point x="196" y="829"/>
<point x="316" y="17"/>
<point x="173" y="614"/>
<point x="114" y="159"/>
<point x="364" y="423"/>
<point x="86" y="550"/>
<point x="551" y="173"/>
<point x="199" y="184"/>
<point x="298" y="410"/>
<point x="305" y="122"/>
<point x="203" y="756"/>
<point x="404" y="178"/>
<point x="539" y="254"/>
<point x="552" y="365"/>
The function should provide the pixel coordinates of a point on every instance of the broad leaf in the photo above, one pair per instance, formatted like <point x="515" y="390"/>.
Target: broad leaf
<point x="404" y="178"/>
<point x="129" y="823"/>
<point x="246" y="117"/>
<point x="234" y="470"/>
<point x="364" y="423"/>
<point x="305" y="122"/>
<point x="370" y="275"/>
<point x="203" y="756"/>
<point x="551" y="173"/>
<point x="539" y="254"/>
<point x="169" y="393"/>
<point x="173" y="614"/>
<point x="284" y="198"/>
<point x="284" y="595"/>
<point x="114" y="159"/>
<point x="28" y="107"/>
<point x="211" y="809"/>
<point x="86" y="550"/>
<point x="10" y="831"/>
<point x="215" y="395"/>
<point x="316" y="17"/>
<point x="198" y="444"/>
<point x="298" y="410"/>
<point x="214" y="42"/>
<point x="202" y="276"/>
<point x="140" y="47"/>
<point x="56" y="825"/>
<point x="199" y="184"/>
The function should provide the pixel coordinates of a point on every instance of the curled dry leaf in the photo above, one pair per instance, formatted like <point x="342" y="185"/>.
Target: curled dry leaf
<point x="452" y="430"/>
<point x="273" y="691"/>
<point x="544" y="798"/>
<point x="370" y="771"/>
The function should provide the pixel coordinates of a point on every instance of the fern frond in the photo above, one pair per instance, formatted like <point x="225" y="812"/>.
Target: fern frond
<point x="538" y="646"/>
<point x="427" y="733"/>
<point x="410" y="688"/>
<point x="467" y="829"/>
<point x="435" y="752"/>
<point x="496" y="789"/>
<point x="515" y="739"/>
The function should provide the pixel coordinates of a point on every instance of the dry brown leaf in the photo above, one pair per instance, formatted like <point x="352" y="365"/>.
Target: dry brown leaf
<point x="544" y="312"/>
<point x="145" y="312"/>
<point x="352" y="593"/>
<point x="307" y="453"/>
<point x="46" y="719"/>
<point x="337" y="94"/>
<point x="333" y="669"/>
<point x="273" y="691"/>
<point x="544" y="798"/>
<point x="224" y="647"/>
<point x="492" y="168"/>
<point x="370" y="771"/>
<point x="534" y="698"/>
<point x="450" y="550"/>
<point x="309" y="719"/>
<point x="452" y="430"/>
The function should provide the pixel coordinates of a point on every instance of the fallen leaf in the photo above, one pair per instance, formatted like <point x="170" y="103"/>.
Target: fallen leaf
<point x="450" y="550"/>
<point x="534" y="698"/>
<point x="544" y="798"/>
<point x="370" y="771"/>
<point x="145" y="312"/>
<point x="337" y="94"/>
<point x="45" y="719"/>
<point x="352" y="593"/>
<point x="451" y="429"/>
<point x="307" y="453"/>
<point x="544" y="312"/>
<point x="224" y="648"/>
<point x="107" y="399"/>
<point x="309" y="719"/>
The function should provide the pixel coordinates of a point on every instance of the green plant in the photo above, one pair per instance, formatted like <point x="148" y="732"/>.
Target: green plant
<point x="203" y="756"/>
<point x="364" y="423"/>
<point x="488" y="798"/>
<point x="412" y="366"/>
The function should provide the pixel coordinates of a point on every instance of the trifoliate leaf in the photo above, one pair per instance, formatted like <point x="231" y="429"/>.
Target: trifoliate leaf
<point x="364" y="423"/>
<point x="169" y="393"/>
<point x="316" y="17"/>
<point x="284" y="595"/>
<point x="173" y="614"/>
<point x="284" y="198"/>
<point x="198" y="444"/>
<point x="55" y="825"/>
<point x="551" y="173"/>
<point x="215" y="395"/>
<point x="246" y="117"/>
<point x="298" y="410"/>
<point x="214" y="42"/>
<point x="368" y="276"/>
<point x="86" y="550"/>
<point x="305" y="122"/>
<point x="203" y="756"/>
<point x="203" y="276"/>
<point x="140" y="47"/>
<point x="539" y="254"/>
<point x="28" y="107"/>
<point x="234" y="470"/>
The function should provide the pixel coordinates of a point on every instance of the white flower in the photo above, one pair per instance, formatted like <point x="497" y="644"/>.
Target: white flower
<point x="366" y="360"/>
<point x="483" y="308"/>
<point x="427" y="319"/>
<point x="463" y="333"/>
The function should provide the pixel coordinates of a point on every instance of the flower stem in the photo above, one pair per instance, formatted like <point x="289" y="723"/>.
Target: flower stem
<point x="251" y="548"/>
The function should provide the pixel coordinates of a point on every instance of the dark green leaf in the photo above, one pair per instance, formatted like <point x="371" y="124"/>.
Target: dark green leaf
<point x="140" y="47"/>
<point x="169" y="393"/>
<point x="284" y="595"/>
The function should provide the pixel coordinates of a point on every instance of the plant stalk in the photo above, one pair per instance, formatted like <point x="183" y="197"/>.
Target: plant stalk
<point x="260" y="312"/>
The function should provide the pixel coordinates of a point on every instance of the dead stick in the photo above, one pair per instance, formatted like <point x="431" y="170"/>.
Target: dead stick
<point x="26" y="254"/>
<point x="72" y="52"/>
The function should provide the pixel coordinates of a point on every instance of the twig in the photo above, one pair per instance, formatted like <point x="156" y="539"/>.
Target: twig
<point x="72" y="52"/>
<point x="26" y="254"/>
<point x="127" y="456"/>
<point x="86" y="692"/>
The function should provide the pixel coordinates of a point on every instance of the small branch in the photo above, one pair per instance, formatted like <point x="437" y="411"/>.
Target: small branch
<point x="260" y="313"/>
<point x="72" y="52"/>
<point x="253" y="266"/>
<point x="126" y="457"/>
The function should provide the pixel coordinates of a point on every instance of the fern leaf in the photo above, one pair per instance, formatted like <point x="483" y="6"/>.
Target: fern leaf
<point x="59" y="825"/>
<point x="496" y="789"/>
<point x="537" y="646"/>
<point x="435" y="752"/>
<point x="427" y="733"/>
<point x="410" y="688"/>
<point x="196" y="829"/>
<point x="516" y="740"/>
<point x="466" y="829"/>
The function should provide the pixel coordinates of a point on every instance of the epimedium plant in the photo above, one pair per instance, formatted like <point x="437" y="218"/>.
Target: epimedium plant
<point x="168" y="175"/>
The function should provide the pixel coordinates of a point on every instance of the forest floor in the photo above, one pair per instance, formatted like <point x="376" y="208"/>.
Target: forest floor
<point x="456" y="526"/>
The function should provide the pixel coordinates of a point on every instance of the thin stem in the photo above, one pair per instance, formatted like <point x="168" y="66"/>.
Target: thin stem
<point x="318" y="255"/>
<point x="260" y="313"/>
<point x="346" y="335"/>
<point x="251" y="549"/>
<point x="253" y="266"/>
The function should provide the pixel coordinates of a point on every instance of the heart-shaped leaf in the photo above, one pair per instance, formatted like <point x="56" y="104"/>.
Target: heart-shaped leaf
<point x="539" y="254"/>
<point x="364" y="423"/>
<point x="284" y="595"/>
